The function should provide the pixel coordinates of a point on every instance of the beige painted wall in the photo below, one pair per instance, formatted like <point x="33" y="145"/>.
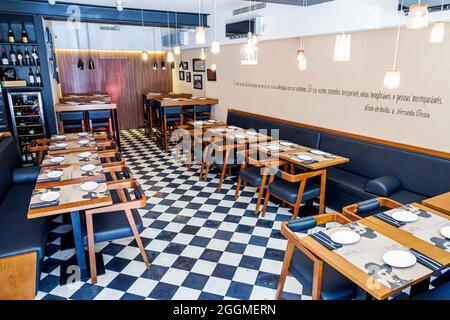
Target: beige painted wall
<point x="425" y="72"/>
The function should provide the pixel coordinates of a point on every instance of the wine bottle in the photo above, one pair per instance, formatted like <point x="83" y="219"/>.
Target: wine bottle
<point x="24" y="34"/>
<point x="35" y="56"/>
<point x="11" y="38"/>
<point x="5" y="60"/>
<point x="12" y="56"/>
<point x="38" y="78"/>
<point x="31" y="78"/>
<point x="19" y="57"/>
<point x="27" y="57"/>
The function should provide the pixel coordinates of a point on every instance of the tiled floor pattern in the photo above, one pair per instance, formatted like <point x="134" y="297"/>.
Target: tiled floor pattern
<point x="201" y="243"/>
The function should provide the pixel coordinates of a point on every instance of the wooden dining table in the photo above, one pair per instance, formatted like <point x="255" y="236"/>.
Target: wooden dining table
<point x="89" y="106"/>
<point x="440" y="203"/>
<point x="73" y="199"/>
<point x="362" y="263"/>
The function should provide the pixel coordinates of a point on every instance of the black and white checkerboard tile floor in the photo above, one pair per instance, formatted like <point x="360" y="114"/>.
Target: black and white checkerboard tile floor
<point x="201" y="243"/>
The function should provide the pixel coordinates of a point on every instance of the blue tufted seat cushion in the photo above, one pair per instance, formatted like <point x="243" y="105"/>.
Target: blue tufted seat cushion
<point x="252" y="175"/>
<point x="288" y="191"/>
<point x="334" y="285"/>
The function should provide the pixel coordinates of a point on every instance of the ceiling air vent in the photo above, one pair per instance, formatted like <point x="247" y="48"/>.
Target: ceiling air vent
<point x="255" y="7"/>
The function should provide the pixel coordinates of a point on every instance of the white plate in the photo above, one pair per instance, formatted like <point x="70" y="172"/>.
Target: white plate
<point x="239" y="136"/>
<point x="212" y="121"/>
<point x="61" y="145"/>
<point x="60" y="137"/>
<point x="318" y="152"/>
<point x="72" y="103"/>
<point x="203" y="98"/>
<point x="232" y="127"/>
<point x="304" y="157"/>
<point x="220" y="130"/>
<point x="50" y="196"/>
<point x="345" y="237"/>
<point x="83" y="142"/>
<point x="404" y="216"/>
<point x="251" y="133"/>
<point x="89" y="186"/>
<point x="273" y="148"/>
<point x="88" y="167"/>
<point x="84" y="154"/>
<point x="445" y="231"/>
<point x="399" y="259"/>
<point x="57" y="159"/>
<point x="82" y="134"/>
<point x="54" y="174"/>
<point x="286" y="144"/>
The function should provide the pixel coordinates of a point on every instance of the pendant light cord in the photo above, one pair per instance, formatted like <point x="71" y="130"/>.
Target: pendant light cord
<point x="88" y="38"/>
<point x="394" y="65"/>
<point x="215" y="19"/>
<point x="168" y="28"/>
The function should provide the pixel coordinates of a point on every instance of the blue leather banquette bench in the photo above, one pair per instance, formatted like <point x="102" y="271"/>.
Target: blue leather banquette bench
<point x="22" y="241"/>
<point x="376" y="168"/>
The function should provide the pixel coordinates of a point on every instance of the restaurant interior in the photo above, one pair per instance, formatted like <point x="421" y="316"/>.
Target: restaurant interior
<point x="225" y="150"/>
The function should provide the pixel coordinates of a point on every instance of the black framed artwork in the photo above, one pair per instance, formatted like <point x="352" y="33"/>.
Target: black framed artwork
<point x="185" y="65"/>
<point x="198" y="65"/>
<point x="188" y="77"/>
<point x="212" y="75"/>
<point x="198" y="81"/>
<point x="181" y="75"/>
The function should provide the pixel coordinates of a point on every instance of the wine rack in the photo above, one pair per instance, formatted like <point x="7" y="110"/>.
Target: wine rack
<point x="28" y="120"/>
<point x="3" y="116"/>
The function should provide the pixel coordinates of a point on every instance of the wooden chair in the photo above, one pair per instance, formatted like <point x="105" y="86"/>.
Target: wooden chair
<point x="171" y="118"/>
<point x="288" y="230"/>
<point x="118" y="171"/>
<point x="72" y="121"/>
<point x="294" y="189"/>
<point x="254" y="172"/>
<point x="225" y="163"/>
<point x="369" y="207"/>
<point x="198" y="113"/>
<point x="110" y="158"/>
<point x="124" y="206"/>
<point x="100" y="120"/>
<point x="40" y="147"/>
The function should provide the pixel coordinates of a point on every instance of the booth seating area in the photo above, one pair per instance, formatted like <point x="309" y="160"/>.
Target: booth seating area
<point x="376" y="168"/>
<point x="22" y="241"/>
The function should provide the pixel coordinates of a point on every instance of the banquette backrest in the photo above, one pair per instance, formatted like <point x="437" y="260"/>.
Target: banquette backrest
<point x="9" y="160"/>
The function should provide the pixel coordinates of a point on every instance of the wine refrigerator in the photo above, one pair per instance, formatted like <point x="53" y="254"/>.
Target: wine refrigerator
<point x="27" y="120"/>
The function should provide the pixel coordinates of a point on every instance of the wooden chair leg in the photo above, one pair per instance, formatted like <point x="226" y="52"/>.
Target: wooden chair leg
<point x="266" y="200"/>
<point x="261" y="192"/>
<point x="150" y="122"/>
<point x="222" y="176"/>
<point x="285" y="269"/>
<point x="137" y="236"/>
<point x="322" y="194"/>
<point x="238" y="186"/>
<point x="205" y="175"/>
<point x="91" y="128"/>
<point x="91" y="247"/>
<point x="317" y="280"/>
<point x="110" y="126"/>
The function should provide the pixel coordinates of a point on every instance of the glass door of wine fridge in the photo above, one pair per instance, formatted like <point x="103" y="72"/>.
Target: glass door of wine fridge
<point x="27" y="120"/>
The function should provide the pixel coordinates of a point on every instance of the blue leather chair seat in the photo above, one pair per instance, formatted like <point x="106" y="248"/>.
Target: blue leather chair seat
<point x="252" y="175"/>
<point x="17" y="233"/>
<point x="72" y="125"/>
<point x="100" y="124"/>
<point x="334" y="285"/>
<point x="173" y="119"/>
<point x="114" y="225"/>
<point x="202" y="116"/>
<point x="288" y="191"/>
<point x="441" y="292"/>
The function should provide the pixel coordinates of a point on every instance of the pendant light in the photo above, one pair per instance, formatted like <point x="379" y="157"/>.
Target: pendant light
<point x="51" y="2"/>
<point x="342" y="47"/>
<point x="438" y="30"/>
<point x="392" y="75"/>
<point x="155" y="63"/>
<point x="144" y="55"/>
<point x="301" y="55"/>
<point x="213" y="67"/>
<point x="163" y="63"/>
<point x="200" y="33"/>
<point x="119" y="4"/>
<point x="91" y="64"/>
<point x="215" y="45"/>
<point x="249" y="50"/>
<point x="202" y="54"/>
<point x="417" y="16"/>
<point x="80" y="63"/>
<point x="170" y="58"/>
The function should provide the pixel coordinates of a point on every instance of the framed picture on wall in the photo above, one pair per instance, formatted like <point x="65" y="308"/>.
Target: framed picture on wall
<point x="198" y="81"/>
<point x="188" y="77"/>
<point x="185" y="65"/>
<point x="212" y="75"/>
<point x="182" y="75"/>
<point x="198" y="65"/>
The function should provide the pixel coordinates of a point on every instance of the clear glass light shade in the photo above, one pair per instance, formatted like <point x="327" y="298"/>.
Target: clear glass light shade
<point x="392" y="79"/>
<point x="51" y="2"/>
<point x="144" y="56"/>
<point x="119" y="5"/>
<point x="177" y="50"/>
<point x="202" y="54"/>
<point x="155" y="65"/>
<point x="342" y="47"/>
<point x="170" y="57"/>
<point x="215" y="47"/>
<point x="437" y="32"/>
<point x="200" y="35"/>
<point x="213" y="67"/>
<point x="249" y="54"/>
<point x="417" y="16"/>
<point x="301" y="57"/>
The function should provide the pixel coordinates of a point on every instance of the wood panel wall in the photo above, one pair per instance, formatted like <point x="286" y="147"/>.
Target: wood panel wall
<point x="121" y="74"/>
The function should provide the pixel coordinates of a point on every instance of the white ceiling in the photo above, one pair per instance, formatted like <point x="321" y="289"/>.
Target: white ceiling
<point x="180" y="5"/>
